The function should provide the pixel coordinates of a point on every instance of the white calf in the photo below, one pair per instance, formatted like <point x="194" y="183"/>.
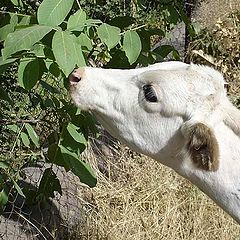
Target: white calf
<point x="175" y="113"/>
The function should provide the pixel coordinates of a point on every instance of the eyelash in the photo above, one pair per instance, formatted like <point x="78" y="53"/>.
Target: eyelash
<point x="149" y="93"/>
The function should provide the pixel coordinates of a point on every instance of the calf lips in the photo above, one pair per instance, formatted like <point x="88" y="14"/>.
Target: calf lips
<point x="176" y="113"/>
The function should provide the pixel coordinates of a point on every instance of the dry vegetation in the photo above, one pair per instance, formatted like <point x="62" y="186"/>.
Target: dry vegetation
<point x="218" y="45"/>
<point x="139" y="199"/>
<point x="210" y="11"/>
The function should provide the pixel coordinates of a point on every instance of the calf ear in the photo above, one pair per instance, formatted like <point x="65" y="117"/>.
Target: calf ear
<point x="202" y="146"/>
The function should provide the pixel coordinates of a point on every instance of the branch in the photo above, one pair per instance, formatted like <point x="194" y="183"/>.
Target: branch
<point x="78" y="3"/>
<point x="6" y="121"/>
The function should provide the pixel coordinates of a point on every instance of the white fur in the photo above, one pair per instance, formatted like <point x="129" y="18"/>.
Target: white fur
<point x="187" y="94"/>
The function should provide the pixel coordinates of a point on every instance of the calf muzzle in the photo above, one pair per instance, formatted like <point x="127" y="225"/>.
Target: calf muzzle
<point x="76" y="76"/>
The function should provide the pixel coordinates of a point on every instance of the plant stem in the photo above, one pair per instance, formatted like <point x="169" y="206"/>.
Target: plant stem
<point x="78" y="3"/>
<point x="6" y="121"/>
<point x="14" y="145"/>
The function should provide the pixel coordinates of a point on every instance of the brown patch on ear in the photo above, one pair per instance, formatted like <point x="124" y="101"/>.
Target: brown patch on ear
<point x="203" y="147"/>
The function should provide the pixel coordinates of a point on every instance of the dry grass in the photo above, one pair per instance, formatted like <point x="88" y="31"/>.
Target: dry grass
<point x="143" y="200"/>
<point x="210" y="11"/>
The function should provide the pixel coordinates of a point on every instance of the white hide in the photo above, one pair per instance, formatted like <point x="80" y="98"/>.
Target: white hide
<point x="187" y="94"/>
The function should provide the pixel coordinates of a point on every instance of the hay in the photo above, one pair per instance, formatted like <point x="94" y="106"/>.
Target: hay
<point x="143" y="200"/>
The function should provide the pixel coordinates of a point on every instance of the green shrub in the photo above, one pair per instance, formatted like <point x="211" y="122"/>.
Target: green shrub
<point x="40" y="47"/>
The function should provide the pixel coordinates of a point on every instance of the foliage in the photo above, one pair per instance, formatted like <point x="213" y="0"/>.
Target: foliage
<point x="39" y="51"/>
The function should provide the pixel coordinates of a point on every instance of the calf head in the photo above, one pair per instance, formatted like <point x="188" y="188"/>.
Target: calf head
<point x="166" y="111"/>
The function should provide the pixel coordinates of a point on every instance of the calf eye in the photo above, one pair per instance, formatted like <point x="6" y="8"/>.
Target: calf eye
<point x="149" y="93"/>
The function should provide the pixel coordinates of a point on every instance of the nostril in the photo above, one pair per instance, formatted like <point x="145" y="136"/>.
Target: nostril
<point x="75" y="77"/>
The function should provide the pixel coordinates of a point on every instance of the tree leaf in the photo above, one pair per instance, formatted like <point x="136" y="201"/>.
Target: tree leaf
<point x="3" y="165"/>
<point x="3" y="197"/>
<point x="79" y="58"/>
<point x="49" y="184"/>
<point x="78" y="167"/>
<point x="8" y="28"/>
<point x="19" y="190"/>
<point x="13" y="127"/>
<point x="28" y="73"/>
<point x="132" y="45"/>
<point x="55" y="156"/>
<point x="70" y="143"/>
<point x="32" y="134"/>
<point x="109" y="35"/>
<point x="55" y="71"/>
<point x="53" y="12"/>
<point x="25" y="139"/>
<point x="85" y="41"/>
<point x="24" y="21"/>
<point x="78" y="18"/>
<point x="5" y="30"/>
<point x="122" y="21"/>
<point x="17" y="2"/>
<point x="23" y="39"/>
<point x="164" y="50"/>
<point x="62" y="45"/>
<point x="48" y="87"/>
<point x="77" y="136"/>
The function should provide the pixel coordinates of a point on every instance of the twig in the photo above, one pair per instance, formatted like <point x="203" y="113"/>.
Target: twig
<point x="136" y="28"/>
<point x="23" y="217"/>
<point x="78" y="3"/>
<point x="14" y="145"/>
<point x="6" y="121"/>
<point x="19" y="14"/>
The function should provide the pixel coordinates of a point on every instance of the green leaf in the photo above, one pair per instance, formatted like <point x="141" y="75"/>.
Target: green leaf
<point x="77" y="136"/>
<point x="25" y="21"/>
<point x="5" y="30"/>
<point x="164" y="50"/>
<point x="55" y="156"/>
<point x="70" y="143"/>
<point x="63" y="45"/>
<point x="19" y="190"/>
<point x="38" y="50"/>
<point x="78" y="18"/>
<point x="85" y="41"/>
<point x="48" y="87"/>
<point x="23" y="39"/>
<point x="49" y="184"/>
<point x="3" y="165"/>
<point x="132" y="45"/>
<point x="109" y="35"/>
<point x="17" y="2"/>
<point x="28" y="73"/>
<point x="55" y="71"/>
<point x="32" y="134"/>
<point x="67" y="52"/>
<point x="53" y="12"/>
<point x="78" y="167"/>
<point x="3" y="197"/>
<point x="78" y="55"/>
<point x="13" y="127"/>
<point x="25" y="139"/>
<point x="122" y="21"/>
